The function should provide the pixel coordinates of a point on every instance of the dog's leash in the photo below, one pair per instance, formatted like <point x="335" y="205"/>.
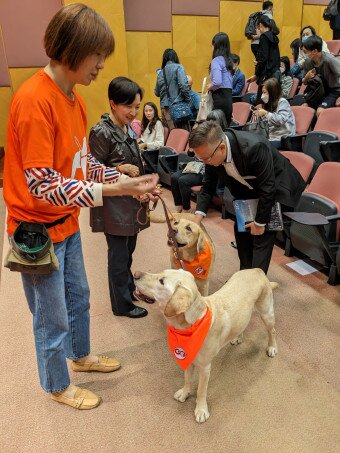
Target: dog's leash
<point x="171" y="233"/>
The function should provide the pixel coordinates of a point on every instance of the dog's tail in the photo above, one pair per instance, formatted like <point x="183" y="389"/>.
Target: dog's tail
<point x="274" y="285"/>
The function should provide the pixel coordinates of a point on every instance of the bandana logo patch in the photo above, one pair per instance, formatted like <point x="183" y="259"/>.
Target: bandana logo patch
<point x="199" y="270"/>
<point x="180" y="354"/>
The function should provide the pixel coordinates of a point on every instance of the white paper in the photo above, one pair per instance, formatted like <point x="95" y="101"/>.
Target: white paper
<point x="301" y="267"/>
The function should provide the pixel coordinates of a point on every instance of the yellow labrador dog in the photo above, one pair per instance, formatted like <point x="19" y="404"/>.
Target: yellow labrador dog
<point x="197" y="248"/>
<point x="231" y="308"/>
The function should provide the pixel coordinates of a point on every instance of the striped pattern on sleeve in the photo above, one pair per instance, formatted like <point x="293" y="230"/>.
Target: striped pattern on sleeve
<point x="99" y="173"/>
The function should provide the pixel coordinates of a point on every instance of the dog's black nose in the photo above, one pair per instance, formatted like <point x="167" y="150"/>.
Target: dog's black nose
<point x="137" y="275"/>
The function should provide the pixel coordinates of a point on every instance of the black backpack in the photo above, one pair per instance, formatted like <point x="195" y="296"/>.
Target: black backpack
<point x="314" y="92"/>
<point x="331" y="10"/>
<point x="251" y="27"/>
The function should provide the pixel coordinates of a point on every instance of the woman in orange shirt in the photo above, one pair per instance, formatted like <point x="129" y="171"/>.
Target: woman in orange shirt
<point x="48" y="176"/>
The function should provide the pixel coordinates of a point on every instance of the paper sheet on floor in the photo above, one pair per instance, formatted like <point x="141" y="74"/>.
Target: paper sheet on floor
<point x="301" y="267"/>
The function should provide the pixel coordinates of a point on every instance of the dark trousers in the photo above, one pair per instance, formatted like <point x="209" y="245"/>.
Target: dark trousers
<point x="223" y="100"/>
<point x="181" y="187"/>
<point x="254" y="49"/>
<point x="121" y="284"/>
<point x="255" y="251"/>
<point x="336" y="34"/>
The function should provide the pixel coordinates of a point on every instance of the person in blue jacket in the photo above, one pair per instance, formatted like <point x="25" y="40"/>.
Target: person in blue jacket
<point x="239" y="78"/>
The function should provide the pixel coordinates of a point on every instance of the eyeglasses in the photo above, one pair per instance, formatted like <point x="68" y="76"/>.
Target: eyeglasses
<point x="208" y="159"/>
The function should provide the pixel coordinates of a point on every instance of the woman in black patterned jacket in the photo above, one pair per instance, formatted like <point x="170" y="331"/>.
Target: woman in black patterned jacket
<point x="120" y="218"/>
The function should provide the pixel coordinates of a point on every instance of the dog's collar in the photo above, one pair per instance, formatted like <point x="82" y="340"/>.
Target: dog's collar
<point x="185" y="344"/>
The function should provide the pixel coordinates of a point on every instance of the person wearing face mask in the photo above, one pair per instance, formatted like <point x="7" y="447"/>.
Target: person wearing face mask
<point x="121" y="219"/>
<point x="277" y="111"/>
<point x="305" y="33"/>
<point x="286" y="77"/>
<point x="268" y="56"/>
<point x="327" y="67"/>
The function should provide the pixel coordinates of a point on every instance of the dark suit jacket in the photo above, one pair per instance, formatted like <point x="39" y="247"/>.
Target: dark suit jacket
<point x="274" y="177"/>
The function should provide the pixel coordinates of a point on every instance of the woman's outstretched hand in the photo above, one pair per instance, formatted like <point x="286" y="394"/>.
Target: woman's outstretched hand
<point x="132" y="186"/>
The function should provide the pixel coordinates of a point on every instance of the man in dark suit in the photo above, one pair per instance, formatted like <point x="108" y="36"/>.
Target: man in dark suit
<point x="250" y="167"/>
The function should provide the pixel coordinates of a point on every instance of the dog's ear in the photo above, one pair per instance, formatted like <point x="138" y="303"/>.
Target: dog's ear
<point x="200" y="242"/>
<point x="179" y="302"/>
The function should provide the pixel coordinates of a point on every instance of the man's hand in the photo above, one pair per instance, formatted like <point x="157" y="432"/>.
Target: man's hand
<point x="128" y="169"/>
<point x="310" y="75"/>
<point x="255" y="230"/>
<point x="132" y="186"/>
<point x="198" y="218"/>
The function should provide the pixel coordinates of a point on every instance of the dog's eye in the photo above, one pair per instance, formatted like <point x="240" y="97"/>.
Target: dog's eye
<point x="161" y="281"/>
<point x="176" y="223"/>
<point x="188" y="228"/>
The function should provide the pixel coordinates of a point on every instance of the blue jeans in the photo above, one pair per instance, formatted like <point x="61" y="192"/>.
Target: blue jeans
<point x="59" y="303"/>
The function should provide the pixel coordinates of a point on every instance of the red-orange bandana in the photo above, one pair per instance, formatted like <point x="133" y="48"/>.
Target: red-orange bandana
<point x="199" y="267"/>
<point x="185" y="344"/>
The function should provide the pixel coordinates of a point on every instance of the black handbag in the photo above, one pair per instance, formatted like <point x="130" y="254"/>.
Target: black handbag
<point x="179" y="111"/>
<point x="314" y="92"/>
<point x="257" y="126"/>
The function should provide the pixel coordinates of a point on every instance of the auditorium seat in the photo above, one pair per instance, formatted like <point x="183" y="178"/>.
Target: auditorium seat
<point x="167" y="163"/>
<point x="241" y="112"/>
<point x="176" y="143"/>
<point x="303" y="163"/>
<point x="319" y="243"/>
<point x="333" y="46"/>
<point x="323" y="141"/>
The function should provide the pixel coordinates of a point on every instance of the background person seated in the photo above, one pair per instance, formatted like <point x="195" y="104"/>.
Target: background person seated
<point x="326" y="66"/>
<point x="306" y="33"/>
<point x="286" y="77"/>
<point x="239" y="78"/>
<point x="296" y="70"/>
<point x="195" y="99"/>
<point x="277" y="111"/>
<point x="153" y="131"/>
<point x="181" y="183"/>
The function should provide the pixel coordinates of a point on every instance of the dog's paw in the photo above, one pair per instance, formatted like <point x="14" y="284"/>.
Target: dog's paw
<point x="202" y="414"/>
<point x="181" y="395"/>
<point x="271" y="351"/>
<point x="237" y="340"/>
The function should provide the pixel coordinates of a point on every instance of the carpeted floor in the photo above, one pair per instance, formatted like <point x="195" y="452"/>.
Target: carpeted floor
<point x="257" y="404"/>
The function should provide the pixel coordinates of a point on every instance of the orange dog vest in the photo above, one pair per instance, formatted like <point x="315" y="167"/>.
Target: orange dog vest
<point x="185" y="344"/>
<point x="199" y="267"/>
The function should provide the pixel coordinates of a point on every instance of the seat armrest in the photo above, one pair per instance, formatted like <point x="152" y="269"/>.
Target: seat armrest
<point x="330" y="151"/>
<point x="293" y="142"/>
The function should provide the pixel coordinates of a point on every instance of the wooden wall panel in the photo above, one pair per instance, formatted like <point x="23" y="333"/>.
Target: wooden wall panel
<point x="192" y="37"/>
<point x="288" y="15"/>
<point x="233" y="18"/>
<point x="145" y="52"/>
<point x="95" y="95"/>
<point x="312" y="15"/>
<point x="5" y="101"/>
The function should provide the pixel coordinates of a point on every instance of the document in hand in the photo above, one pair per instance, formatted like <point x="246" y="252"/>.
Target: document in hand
<point x="245" y="212"/>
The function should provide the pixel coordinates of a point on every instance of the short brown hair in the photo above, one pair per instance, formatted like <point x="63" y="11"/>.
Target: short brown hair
<point x="208" y="132"/>
<point x="75" y="32"/>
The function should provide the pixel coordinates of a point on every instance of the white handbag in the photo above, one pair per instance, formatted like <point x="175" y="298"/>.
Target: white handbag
<point x="206" y="103"/>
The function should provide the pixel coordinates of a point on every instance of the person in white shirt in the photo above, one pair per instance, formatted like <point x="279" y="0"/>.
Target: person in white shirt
<point x="153" y="131"/>
<point x="305" y="33"/>
<point x="277" y="111"/>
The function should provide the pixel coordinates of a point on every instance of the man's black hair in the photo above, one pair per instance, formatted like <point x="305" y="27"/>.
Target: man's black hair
<point x="313" y="43"/>
<point x="267" y="5"/>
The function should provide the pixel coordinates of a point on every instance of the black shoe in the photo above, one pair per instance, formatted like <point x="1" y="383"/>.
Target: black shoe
<point x="137" y="312"/>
